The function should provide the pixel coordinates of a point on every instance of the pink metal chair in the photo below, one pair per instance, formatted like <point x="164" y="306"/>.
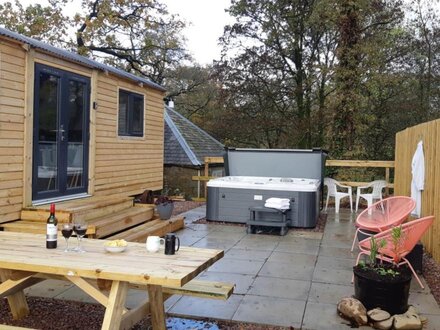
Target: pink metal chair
<point x="412" y="231"/>
<point x="382" y="215"/>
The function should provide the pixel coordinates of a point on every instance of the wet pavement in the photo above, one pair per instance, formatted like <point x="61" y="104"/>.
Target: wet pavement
<point x="294" y="280"/>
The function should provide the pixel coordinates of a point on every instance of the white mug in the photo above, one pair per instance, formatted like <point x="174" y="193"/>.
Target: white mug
<point x="153" y="243"/>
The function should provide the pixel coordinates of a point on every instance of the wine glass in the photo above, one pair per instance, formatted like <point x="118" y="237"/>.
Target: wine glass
<point x="80" y="229"/>
<point x="67" y="231"/>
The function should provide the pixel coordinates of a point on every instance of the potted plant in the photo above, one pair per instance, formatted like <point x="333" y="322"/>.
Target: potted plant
<point x="384" y="284"/>
<point x="164" y="206"/>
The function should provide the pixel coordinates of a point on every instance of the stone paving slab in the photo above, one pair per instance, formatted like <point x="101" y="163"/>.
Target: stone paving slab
<point x="334" y="276"/>
<point x="270" y="311"/>
<point x="338" y="252"/>
<point x="216" y="234"/>
<point x="247" y="254"/>
<point x="289" y="271"/>
<point x="302" y="234"/>
<point x="425" y="303"/>
<point x="280" y="287"/>
<point x="201" y="307"/>
<point x="299" y="245"/>
<point x="243" y="282"/>
<point x="293" y="280"/>
<point x="326" y="292"/>
<point x="48" y="288"/>
<point x="236" y="266"/>
<point x="293" y="258"/>
<point x="324" y="317"/>
<point x="334" y="263"/>
<point x="267" y="243"/>
<point x="215" y="243"/>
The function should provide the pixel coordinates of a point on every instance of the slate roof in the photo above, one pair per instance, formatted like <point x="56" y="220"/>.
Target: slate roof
<point x="64" y="54"/>
<point x="185" y="143"/>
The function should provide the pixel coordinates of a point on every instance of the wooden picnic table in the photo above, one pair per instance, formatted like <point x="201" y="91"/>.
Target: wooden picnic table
<point x="25" y="261"/>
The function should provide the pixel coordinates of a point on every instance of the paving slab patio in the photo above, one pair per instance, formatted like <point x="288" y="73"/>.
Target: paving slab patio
<point x="294" y="280"/>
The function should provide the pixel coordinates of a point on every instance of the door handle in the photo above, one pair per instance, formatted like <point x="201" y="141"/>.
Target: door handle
<point x="61" y="132"/>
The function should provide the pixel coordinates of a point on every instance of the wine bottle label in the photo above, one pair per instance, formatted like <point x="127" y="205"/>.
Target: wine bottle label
<point x="51" y="232"/>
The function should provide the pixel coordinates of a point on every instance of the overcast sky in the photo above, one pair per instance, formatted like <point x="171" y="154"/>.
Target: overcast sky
<point x="208" y="18"/>
<point x="205" y="19"/>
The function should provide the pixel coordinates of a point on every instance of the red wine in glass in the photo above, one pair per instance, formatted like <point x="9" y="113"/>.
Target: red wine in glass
<point x="67" y="231"/>
<point x="80" y="229"/>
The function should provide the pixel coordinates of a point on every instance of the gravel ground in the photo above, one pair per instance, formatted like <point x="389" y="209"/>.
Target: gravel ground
<point x="180" y="207"/>
<point x="55" y="314"/>
<point x="431" y="272"/>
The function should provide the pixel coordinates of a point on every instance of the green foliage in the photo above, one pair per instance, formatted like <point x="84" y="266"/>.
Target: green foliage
<point x="397" y="245"/>
<point x="138" y="36"/>
<point x="397" y="236"/>
<point x="375" y="248"/>
<point x="46" y="23"/>
<point x="342" y="75"/>
<point x="387" y="272"/>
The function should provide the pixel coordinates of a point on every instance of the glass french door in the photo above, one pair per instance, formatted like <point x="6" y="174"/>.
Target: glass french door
<point x="61" y="133"/>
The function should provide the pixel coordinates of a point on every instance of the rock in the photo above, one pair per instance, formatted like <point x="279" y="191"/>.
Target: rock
<point x="412" y="310"/>
<point x="384" y="325"/>
<point x="378" y="315"/>
<point x="353" y="310"/>
<point x="407" y="321"/>
<point x="424" y="320"/>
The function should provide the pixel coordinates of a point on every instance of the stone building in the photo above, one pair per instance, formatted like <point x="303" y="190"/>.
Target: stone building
<point x="186" y="145"/>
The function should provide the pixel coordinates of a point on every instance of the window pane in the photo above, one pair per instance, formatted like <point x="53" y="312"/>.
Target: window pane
<point x="131" y="114"/>
<point x="48" y="99"/>
<point x="77" y="104"/>
<point x="123" y="114"/>
<point x="138" y="116"/>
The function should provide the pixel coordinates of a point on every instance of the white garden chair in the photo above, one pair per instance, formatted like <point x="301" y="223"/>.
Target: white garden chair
<point x="334" y="190"/>
<point x="376" y="187"/>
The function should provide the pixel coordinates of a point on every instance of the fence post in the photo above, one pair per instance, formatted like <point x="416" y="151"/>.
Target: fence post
<point x="206" y="175"/>
<point x="387" y="179"/>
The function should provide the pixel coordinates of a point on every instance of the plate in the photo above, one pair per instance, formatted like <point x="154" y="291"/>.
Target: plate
<point x="115" y="249"/>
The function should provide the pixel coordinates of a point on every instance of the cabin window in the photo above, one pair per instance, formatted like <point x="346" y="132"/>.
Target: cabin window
<point x="131" y="114"/>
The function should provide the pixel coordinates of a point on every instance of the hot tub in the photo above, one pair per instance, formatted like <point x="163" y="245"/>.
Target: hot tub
<point x="229" y="198"/>
<point x="254" y="175"/>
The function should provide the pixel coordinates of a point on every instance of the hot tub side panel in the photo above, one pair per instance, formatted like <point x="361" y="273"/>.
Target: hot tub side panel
<point x="307" y="210"/>
<point x="232" y="205"/>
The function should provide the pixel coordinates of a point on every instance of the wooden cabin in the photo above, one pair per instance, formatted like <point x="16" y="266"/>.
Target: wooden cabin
<point x="71" y="128"/>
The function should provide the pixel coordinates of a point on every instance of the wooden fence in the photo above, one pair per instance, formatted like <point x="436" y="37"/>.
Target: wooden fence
<point x="406" y="143"/>
<point x="387" y="165"/>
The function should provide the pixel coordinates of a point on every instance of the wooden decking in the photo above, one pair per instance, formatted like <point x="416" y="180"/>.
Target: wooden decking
<point x="115" y="216"/>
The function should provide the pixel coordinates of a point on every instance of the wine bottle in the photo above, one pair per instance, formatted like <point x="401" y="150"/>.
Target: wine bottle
<point x="51" y="229"/>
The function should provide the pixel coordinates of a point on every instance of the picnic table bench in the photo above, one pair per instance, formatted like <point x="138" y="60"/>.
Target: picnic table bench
<point x="25" y="261"/>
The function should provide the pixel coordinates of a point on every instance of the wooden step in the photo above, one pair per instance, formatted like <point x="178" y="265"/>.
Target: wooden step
<point x="85" y="208"/>
<point x="152" y="228"/>
<point x="118" y="221"/>
<point x="33" y="227"/>
<point x="98" y="227"/>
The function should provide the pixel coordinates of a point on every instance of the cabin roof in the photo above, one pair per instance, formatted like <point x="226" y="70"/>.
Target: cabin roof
<point x="186" y="144"/>
<point x="64" y="54"/>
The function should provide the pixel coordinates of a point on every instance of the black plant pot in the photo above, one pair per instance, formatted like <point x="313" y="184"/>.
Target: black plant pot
<point x="387" y="292"/>
<point x="165" y="210"/>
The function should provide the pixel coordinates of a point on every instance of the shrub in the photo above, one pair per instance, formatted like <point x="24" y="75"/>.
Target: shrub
<point x="163" y="200"/>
